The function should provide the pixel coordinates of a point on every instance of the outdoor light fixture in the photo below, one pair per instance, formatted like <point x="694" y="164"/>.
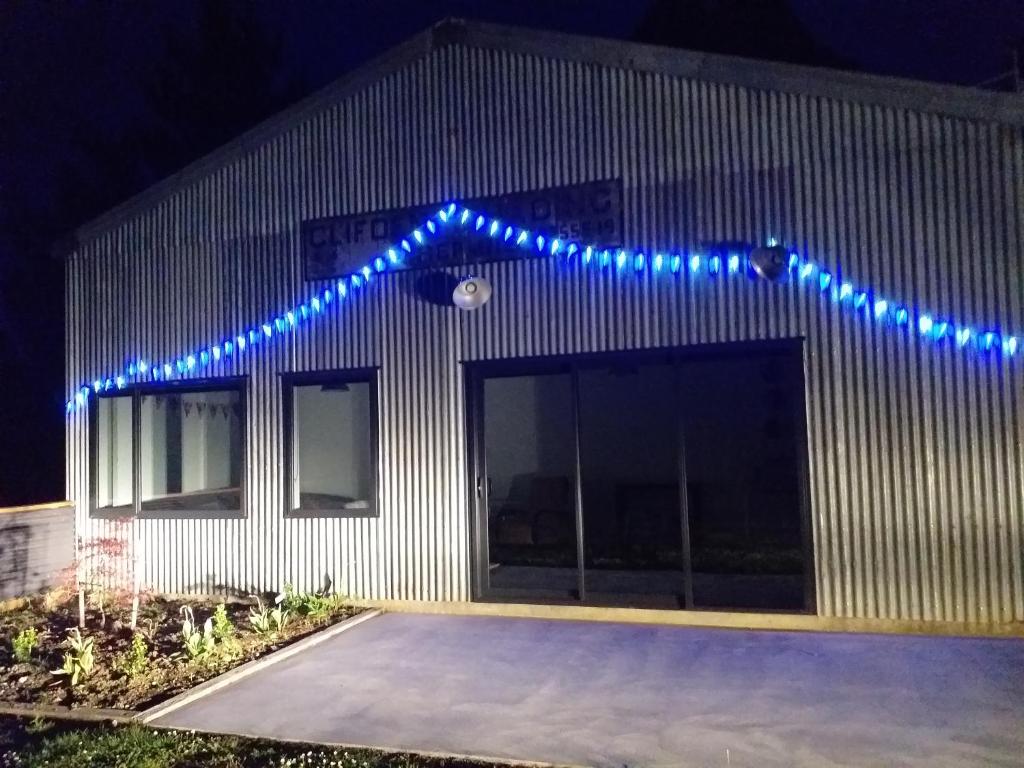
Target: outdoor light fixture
<point x="770" y="262"/>
<point x="472" y="293"/>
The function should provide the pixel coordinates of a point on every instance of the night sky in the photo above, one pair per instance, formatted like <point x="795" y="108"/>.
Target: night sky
<point x="100" y="100"/>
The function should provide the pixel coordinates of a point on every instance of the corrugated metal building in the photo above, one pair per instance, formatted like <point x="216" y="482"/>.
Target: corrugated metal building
<point x="907" y="448"/>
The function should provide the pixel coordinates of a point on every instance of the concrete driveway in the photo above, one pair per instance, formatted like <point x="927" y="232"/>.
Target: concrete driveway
<point x="614" y="694"/>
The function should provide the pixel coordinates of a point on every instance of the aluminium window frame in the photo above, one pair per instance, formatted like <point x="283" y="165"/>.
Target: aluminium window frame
<point x="238" y="384"/>
<point x="291" y="380"/>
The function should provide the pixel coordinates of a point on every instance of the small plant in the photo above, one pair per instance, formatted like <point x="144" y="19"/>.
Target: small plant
<point x="199" y="643"/>
<point x="79" y="659"/>
<point x="315" y="605"/>
<point x="24" y="643"/>
<point x="133" y="661"/>
<point x="222" y="626"/>
<point x="259" y="617"/>
<point x="279" y="616"/>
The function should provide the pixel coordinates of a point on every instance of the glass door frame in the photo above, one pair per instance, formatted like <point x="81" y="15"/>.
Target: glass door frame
<point x="476" y="372"/>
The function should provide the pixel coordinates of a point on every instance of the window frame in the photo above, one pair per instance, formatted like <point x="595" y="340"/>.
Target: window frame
<point x="289" y="381"/>
<point x="135" y="392"/>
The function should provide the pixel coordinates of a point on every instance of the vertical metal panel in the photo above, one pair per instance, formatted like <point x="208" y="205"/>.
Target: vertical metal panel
<point x="37" y="547"/>
<point x="915" y="451"/>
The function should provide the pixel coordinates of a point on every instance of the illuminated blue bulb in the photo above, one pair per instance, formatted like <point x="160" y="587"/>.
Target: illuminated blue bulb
<point x="620" y="260"/>
<point x="229" y="348"/>
<point x="963" y="336"/>
<point x="845" y="290"/>
<point x="571" y="249"/>
<point x="417" y="236"/>
<point x="79" y="399"/>
<point x="131" y="369"/>
<point x="806" y="270"/>
<point x="442" y="215"/>
<point x="268" y="331"/>
<point x="465" y="216"/>
<point x="540" y="242"/>
<point x="379" y="264"/>
<point x="941" y="329"/>
<point x="639" y="261"/>
<point x="119" y="382"/>
<point x="588" y="254"/>
<point x="925" y="324"/>
<point x="240" y="340"/>
<point x="556" y="246"/>
<point x="508" y="233"/>
<point x="824" y="280"/>
<point x="902" y="316"/>
<point x="734" y="264"/>
<point x="431" y="226"/>
<point x="279" y="324"/>
<point x="606" y="257"/>
<point x="881" y="307"/>
<point x="204" y="357"/>
<point x="771" y="242"/>
<point x="97" y="385"/>
<point x="254" y="336"/>
<point x="142" y="365"/>
<point x="392" y="255"/>
<point x="69" y="406"/>
<point x="495" y="225"/>
<point x="1010" y="345"/>
<point x="695" y="263"/>
<point x="315" y="304"/>
<point x="155" y="372"/>
<point x="523" y="234"/>
<point x="168" y="371"/>
<point x="342" y="290"/>
<point x="714" y="265"/>
<point x="356" y="281"/>
<point x="303" y="311"/>
<point x="405" y="246"/>
<point x="987" y="340"/>
<point x="451" y="209"/>
<point x="675" y="263"/>
<point x="860" y="300"/>
<point x="190" y="362"/>
<point x="658" y="262"/>
<point x="366" y="272"/>
<point x="108" y="384"/>
<point x="480" y="220"/>
<point x="290" y="317"/>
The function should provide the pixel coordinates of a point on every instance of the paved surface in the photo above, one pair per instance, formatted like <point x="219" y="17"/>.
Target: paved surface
<point x="614" y="695"/>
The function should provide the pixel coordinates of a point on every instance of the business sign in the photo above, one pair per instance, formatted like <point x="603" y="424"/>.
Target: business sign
<point x="340" y="245"/>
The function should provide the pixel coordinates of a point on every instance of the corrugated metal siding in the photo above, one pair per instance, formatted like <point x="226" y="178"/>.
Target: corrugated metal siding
<point x="37" y="547"/>
<point x="915" y="452"/>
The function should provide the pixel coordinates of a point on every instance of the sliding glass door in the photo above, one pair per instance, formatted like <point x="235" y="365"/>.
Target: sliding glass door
<point x="670" y="478"/>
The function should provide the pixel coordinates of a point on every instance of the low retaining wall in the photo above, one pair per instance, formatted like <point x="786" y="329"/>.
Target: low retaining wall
<point x="37" y="543"/>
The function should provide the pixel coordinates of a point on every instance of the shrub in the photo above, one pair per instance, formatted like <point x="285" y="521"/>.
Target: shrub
<point x="24" y="643"/>
<point x="79" y="659"/>
<point x="222" y="626"/>
<point x="199" y="643"/>
<point x="133" y="661"/>
<point x="315" y="605"/>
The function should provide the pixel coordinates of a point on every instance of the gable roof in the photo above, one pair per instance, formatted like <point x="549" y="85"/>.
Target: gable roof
<point x="951" y="100"/>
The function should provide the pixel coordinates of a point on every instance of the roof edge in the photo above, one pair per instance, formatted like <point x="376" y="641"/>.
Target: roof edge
<point x="899" y="93"/>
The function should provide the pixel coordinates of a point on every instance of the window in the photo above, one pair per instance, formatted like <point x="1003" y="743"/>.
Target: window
<point x="173" y="450"/>
<point x="331" y="455"/>
<point x="113" y="479"/>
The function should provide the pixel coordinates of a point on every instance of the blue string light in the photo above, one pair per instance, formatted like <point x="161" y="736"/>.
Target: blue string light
<point x="858" y="298"/>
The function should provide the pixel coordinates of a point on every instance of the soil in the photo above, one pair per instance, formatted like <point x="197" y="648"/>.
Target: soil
<point x="168" y="670"/>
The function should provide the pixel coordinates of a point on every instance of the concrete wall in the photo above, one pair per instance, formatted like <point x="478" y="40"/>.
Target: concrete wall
<point x="37" y="547"/>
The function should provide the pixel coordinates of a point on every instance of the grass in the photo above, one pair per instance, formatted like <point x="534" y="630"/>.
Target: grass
<point x="34" y="744"/>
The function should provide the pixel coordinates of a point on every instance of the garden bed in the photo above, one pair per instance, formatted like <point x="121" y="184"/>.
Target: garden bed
<point x="136" y="670"/>
<point x="37" y="743"/>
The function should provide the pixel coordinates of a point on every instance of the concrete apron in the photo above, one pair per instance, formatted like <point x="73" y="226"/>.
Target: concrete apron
<point x="612" y="694"/>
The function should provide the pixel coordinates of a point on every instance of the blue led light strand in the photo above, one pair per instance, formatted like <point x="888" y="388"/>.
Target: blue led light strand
<point x="858" y="299"/>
